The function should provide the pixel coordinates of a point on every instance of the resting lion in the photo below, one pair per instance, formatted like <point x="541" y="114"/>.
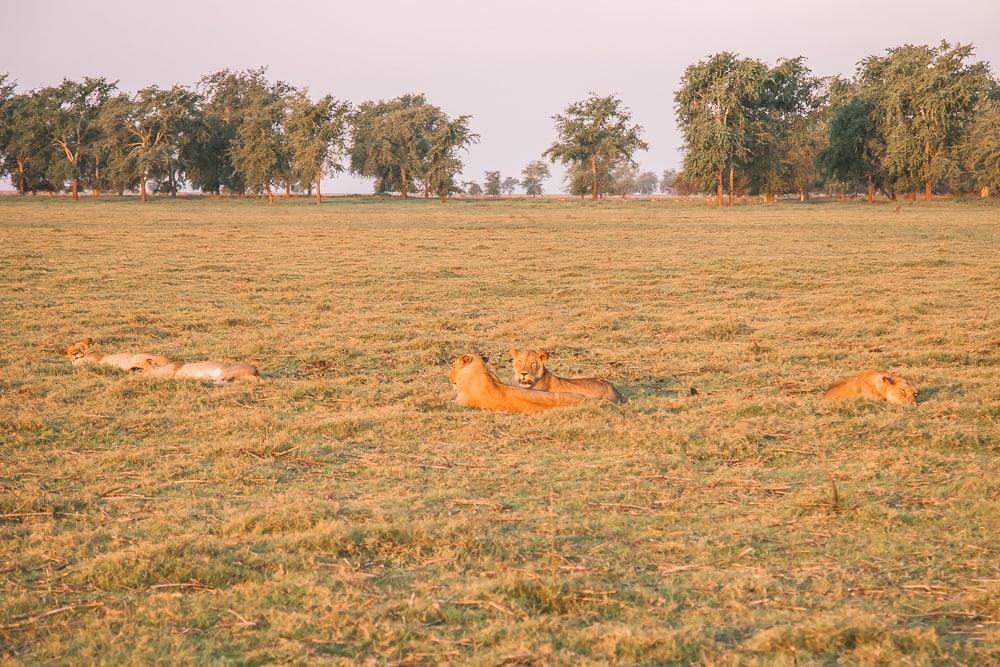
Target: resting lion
<point x="530" y="373"/>
<point x="201" y="370"/>
<point x="875" y="385"/>
<point x="478" y="387"/>
<point x="80" y="355"/>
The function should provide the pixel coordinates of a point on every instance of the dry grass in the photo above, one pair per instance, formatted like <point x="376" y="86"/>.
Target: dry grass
<point x="348" y="509"/>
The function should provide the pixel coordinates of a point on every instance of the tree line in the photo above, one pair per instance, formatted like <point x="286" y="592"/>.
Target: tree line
<point x="914" y="118"/>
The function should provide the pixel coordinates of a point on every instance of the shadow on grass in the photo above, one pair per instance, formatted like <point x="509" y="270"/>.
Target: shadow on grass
<point x="656" y="387"/>
<point x="927" y="393"/>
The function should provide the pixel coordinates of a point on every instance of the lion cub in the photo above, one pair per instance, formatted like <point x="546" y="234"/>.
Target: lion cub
<point x="201" y="370"/>
<point x="478" y="387"/>
<point x="80" y="355"/>
<point x="530" y="373"/>
<point x="875" y="385"/>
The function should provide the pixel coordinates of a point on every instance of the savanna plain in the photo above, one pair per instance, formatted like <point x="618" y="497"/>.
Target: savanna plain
<point x="345" y="509"/>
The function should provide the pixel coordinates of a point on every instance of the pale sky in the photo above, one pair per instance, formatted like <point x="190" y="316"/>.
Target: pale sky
<point x="510" y="65"/>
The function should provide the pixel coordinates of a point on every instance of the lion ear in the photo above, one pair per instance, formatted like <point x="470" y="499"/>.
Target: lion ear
<point x="888" y="379"/>
<point x="466" y="358"/>
<point x="485" y="359"/>
<point x="88" y="341"/>
<point x="542" y="356"/>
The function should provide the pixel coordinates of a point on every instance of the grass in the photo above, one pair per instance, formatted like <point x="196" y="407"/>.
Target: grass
<point x="346" y="509"/>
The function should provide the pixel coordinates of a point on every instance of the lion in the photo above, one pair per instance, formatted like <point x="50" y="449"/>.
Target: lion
<point x="875" y="385"/>
<point x="212" y="371"/>
<point x="530" y="373"/>
<point x="80" y="355"/>
<point x="479" y="387"/>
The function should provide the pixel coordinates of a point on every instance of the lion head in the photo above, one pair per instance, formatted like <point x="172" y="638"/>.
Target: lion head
<point x="78" y="350"/>
<point x="464" y="362"/>
<point x="529" y="366"/>
<point x="898" y="390"/>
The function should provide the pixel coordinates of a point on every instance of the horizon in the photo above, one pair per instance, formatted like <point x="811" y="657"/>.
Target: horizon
<point x="564" y="51"/>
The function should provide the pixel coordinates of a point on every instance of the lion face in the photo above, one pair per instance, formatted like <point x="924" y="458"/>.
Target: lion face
<point x="899" y="390"/>
<point x="78" y="350"/>
<point x="529" y="366"/>
<point x="150" y="363"/>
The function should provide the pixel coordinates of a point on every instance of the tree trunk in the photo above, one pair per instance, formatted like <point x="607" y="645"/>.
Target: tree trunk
<point x="912" y="195"/>
<point x="76" y="188"/>
<point x="402" y="182"/>
<point x="718" y="190"/>
<point x="20" y="176"/>
<point x="97" y="178"/>
<point x="288" y="190"/>
<point x="731" y="170"/>
<point x="173" y="184"/>
<point x="142" y="188"/>
<point x="803" y="194"/>
<point x="593" y="177"/>
<point x="984" y="192"/>
<point x="319" y="195"/>
<point x="927" y="168"/>
<point x="270" y="195"/>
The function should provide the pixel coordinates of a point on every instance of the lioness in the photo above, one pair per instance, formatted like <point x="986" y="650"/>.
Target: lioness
<point x="478" y="387"/>
<point x="876" y="385"/>
<point x="530" y="373"/>
<point x="80" y="355"/>
<point x="201" y="370"/>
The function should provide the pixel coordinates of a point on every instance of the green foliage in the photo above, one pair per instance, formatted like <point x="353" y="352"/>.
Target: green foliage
<point x="491" y="183"/>
<point x="645" y="183"/>
<point x="982" y="146"/>
<point x="851" y="155"/>
<point x="390" y="141"/>
<point x="509" y="184"/>
<point x="533" y="175"/>
<point x="925" y="100"/>
<point x="316" y="133"/>
<point x="595" y="133"/>
<point x="716" y="107"/>
<point x="257" y="150"/>
<point x="444" y="140"/>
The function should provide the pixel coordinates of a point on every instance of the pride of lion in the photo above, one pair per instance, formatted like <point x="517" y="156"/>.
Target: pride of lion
<point x="533" y="388"/>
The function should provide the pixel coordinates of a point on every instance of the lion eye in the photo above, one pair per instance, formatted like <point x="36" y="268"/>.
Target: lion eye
<point x="532" y="366"/>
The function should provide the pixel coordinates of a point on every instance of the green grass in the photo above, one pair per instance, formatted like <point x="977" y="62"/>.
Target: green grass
<point x="347" y="509"/>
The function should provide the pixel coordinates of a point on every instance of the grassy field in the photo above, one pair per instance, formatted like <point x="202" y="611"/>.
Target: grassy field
<point x="347" y="509"/>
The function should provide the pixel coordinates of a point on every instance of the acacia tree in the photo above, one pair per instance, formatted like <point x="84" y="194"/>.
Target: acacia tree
<point x="316" y="133"/>
<point x="389" y="141"/>
<point x="595" y="130"/>
<point x="534" y="174"/>
<point x="926" y="98"/>
<point x="645" y="183"/>
<point x="154" y="119"/>
<point x="982" y="150"/>
<point x="71" y="111"/>
<point x="852" y="154"/>
<point x="509" y="185"/>
<point x="667" y="180"/>
<point x="715" y="108"/>
<point x="258" y="149"/>
<point x="444" y="140"/>
<point x="491" y="183"/>
<point x="28" y="144"/>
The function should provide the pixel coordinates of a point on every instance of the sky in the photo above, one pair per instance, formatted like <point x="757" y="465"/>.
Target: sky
<point x="510" y="65"/>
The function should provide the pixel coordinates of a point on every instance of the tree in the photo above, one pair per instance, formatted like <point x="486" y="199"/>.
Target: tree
<point x="782" y="118"/>
<point x="227" y="97"/>
<point x="715" y="107"/>
<point x="154" y="119"/>
<point x="389" y="141"/>
<point x="317" y="134"/>
<point x="624" y="179"/>
<point x="982" y="148"/>
<point x="595" y="130"/>
<point x="27" y="153"/>
<point x="851" y="155"/>
<point x="257" y="150"/>
<point x="491" y="184"/>
<point x="645" y="183"/>
<point x="926" y="98"/>
<point x="71" y="111"/>
<point x="534" y="174"/>
<point x="509" y="185"/>
<point x="667" y="180"/>
<point x="472" y="189"/>
<point x="444" y="140"/>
